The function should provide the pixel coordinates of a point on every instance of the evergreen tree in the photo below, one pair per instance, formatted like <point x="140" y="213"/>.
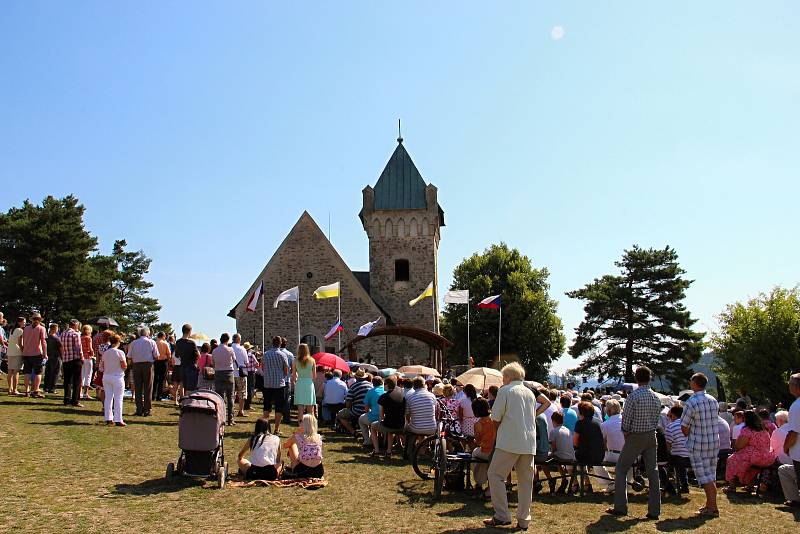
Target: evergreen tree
<point x="44" y="260"/>
<point x="130" y="304"/>
<point x="532" y="330"/>
<point x="637" y="318"/>
<point x="763" y="334"/>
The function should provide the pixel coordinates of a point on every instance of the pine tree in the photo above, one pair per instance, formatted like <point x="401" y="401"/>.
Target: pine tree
<point x="130" y="304"/>
<point x="44" y="260"/>
<point x="637" y="318"/>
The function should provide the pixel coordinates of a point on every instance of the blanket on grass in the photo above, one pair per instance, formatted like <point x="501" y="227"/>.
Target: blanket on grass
<point x="307" y="483"/>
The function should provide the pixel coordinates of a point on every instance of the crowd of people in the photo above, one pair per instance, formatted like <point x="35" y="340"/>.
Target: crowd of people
<point x="541" y="433"/>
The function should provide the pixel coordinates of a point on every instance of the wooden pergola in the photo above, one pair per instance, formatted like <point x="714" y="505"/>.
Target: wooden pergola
<point x="436" y="343"/>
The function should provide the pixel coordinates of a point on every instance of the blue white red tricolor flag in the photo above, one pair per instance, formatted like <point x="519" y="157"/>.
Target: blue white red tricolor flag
<point x="492" y="303"/>
<point x="252" y="304"/>
<point x="334" y="330"/>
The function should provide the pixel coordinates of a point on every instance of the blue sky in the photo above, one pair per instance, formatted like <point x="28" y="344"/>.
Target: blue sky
<point x="200" y="131"/>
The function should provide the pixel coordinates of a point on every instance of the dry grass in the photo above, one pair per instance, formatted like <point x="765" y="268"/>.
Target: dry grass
<point x="63" y="471"/>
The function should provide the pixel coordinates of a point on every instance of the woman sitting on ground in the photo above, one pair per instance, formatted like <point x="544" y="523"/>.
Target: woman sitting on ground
<point x="305" y="451"/>
<point x="752" y="451"/>
<point x="264" y="462"/>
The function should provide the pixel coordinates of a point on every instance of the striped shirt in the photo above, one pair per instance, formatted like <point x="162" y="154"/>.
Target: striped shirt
<point x="700" y="415"/>
<point x="274" y="364"/>
<point x="676" y="439"/>
<point x="642" y="410"/>
<point x="355" y="396"/>
<point x="421" y="409"/>
<point x="70" y="346"/>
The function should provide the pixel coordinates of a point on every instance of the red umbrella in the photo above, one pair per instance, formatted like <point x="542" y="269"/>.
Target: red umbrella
<point x="326" y="359"/>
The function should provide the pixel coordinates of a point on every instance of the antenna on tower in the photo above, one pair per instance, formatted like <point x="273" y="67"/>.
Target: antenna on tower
<point x="399" y="135"/>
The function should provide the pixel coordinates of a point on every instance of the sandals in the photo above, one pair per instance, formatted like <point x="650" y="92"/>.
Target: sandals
<point x="705" y="512"/>
<point x="494" y="522"/>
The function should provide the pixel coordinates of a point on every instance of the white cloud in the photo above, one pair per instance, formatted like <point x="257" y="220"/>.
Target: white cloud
<point x="557" y="33"/>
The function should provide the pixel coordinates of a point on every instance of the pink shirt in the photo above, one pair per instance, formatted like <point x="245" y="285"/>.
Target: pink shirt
<point x="34" y="341"/>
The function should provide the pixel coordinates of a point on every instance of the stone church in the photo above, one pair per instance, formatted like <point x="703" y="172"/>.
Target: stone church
<point x="402" y="219"/>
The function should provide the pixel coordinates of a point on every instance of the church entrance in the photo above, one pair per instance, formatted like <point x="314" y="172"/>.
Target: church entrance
<point x="312" y="342"/>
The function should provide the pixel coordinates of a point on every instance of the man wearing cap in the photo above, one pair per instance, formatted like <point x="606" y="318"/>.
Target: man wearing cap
<point x="34" y="348"/>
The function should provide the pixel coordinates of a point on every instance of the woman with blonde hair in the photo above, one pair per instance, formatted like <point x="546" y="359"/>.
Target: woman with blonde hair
<point x="304" y="371"/>
<point x="88" y="361"/>
<point x="305" y="451"/>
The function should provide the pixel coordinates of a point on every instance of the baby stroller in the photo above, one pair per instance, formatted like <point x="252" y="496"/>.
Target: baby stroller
<point x="201" y="429"/>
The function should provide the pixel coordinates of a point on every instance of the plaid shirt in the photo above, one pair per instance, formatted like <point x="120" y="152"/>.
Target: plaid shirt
<point x="252" y="362"/>
<point x="642" y="411"/>
<point x="700" y="414"/>
<point x="273" y="363"/>
<point x="70" y="346"/>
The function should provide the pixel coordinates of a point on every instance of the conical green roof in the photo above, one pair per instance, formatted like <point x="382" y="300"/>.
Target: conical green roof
<point x="400" y="186"/>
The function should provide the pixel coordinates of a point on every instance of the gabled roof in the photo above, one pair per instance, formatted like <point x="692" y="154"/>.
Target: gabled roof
<point x="322" y="249"/>
<point x="400" y="185"/>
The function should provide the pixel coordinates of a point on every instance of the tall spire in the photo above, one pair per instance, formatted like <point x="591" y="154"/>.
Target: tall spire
<point x="399" y="135"/>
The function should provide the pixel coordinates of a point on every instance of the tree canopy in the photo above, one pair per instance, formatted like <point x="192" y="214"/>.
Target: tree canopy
<point x="531" y="328"/>
<point x="762" y="333"/>
<point x="637" y="317"/>
<point x="49" y="263"/>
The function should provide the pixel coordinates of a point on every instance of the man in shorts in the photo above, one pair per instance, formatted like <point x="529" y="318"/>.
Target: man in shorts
<point x="276" y="367"/>
<point x="699" y="425"/>
<point x="34" y="348"/>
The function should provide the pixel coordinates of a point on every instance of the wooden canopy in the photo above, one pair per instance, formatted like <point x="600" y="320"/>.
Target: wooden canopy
<point x="436" y="343"/>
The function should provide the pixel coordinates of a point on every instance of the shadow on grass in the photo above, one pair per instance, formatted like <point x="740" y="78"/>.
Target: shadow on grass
<point x="610" y="523"/>
<point x="682" y="524"/>
<point x="794" y="511"/>
<point x="67" y="410"/>
<point x="64" y="422"/>
<point x="421" y="492"/>
<point x="155" y="486"/>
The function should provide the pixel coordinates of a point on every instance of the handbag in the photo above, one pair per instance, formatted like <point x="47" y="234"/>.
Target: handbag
<point x="208" y="369"/>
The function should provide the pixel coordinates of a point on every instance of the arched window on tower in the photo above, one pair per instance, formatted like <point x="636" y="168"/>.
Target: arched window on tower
<point x="401" y="270"/>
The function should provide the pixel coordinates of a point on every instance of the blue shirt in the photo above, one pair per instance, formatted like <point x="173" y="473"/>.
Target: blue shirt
<point x="542" y="439"/>
<point x="570" y="418"/>
<point x="371" y="400"/>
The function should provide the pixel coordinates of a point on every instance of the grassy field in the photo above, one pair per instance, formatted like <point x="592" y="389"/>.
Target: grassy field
<point x="64" y="471"/>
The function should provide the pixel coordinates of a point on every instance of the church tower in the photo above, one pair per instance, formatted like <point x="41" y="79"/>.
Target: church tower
<point x="402" y="217"/>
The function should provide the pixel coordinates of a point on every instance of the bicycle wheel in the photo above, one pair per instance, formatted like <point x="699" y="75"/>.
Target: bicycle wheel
<point x="423" y="458"/>
<point x="440" y="468"/>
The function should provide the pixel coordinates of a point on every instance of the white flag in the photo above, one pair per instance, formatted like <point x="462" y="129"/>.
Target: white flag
<point x="252" y="304"/>
<point x="367" y="328"/>
<point x="290" y="295"/>
<point x="459" y="296"/>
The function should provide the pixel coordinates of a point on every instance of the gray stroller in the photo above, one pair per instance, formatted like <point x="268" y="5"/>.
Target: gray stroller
<point x="201" y="429"/>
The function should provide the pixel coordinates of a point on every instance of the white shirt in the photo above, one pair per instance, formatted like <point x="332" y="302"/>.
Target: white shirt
<point x="334" y="391"/>
<point x="112" y="362"/>
<point x="548" y="413"/>
<point x="776" y="441"/>
<point x="736" y="430"/>
<point x="612" y="432"/>
<point x="515" y="410"/>
<point x="241" y="357"/>
<point x="794" y="424"/>
<point x="266" y="452"/>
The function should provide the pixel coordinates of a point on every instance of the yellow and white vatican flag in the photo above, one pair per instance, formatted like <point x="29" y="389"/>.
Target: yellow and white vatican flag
<point x="425" y="294"/>
<point x="327" y="292"/>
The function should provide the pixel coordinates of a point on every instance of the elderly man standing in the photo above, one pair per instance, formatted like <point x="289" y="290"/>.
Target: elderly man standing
<point x="71" y="363"/>
<point x="700" y="425"/>
<point x="143" y="352"/>
<point x="639" y="422"/>
<point x="514" y="414"/>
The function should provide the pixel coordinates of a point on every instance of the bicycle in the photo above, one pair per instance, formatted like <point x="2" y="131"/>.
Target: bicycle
<point x="430" y="455"/>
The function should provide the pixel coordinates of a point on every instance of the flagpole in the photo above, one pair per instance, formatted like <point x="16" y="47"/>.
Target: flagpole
<point x="298" y="318"/>
<point x="433" y="305"/>
<point x="340" y="317"/>
<point x="499" y="333"/>
<point x="468" y="354"/>
<point x="263" y="306"/>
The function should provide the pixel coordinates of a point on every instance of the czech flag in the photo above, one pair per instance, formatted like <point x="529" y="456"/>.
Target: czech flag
<point x="252" y="304"/>
<point x="492" y="303"/>
<point x="334" y="330"/>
